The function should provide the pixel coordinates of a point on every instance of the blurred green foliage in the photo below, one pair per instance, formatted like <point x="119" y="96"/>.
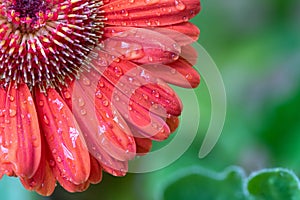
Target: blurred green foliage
<point x="256" y="45"/>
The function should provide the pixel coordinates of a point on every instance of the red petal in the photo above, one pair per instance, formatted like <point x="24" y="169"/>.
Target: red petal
<point x="190" y="54"/>
<point x="140" y="85"/>
<point x="99" y="145"/>
<point x="20" y="136"/>
<point x="173" y="123"/>
<point x="180" y="73"/>
<point x="142" y="46"/>
<point x="106" y="128"/>
<point x="183" y="34"/>
<point x="43" y="181"/>
<point x="63" y="137"/>
<point x="96" y="171"/>
<point x="143" y="145"/>
<point x="68" y="185"/>
<point x="150" y="12"/>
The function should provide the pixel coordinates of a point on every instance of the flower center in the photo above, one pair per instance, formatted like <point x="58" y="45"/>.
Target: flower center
<point x="29" y="8"/>
<point x="44" y="41"/>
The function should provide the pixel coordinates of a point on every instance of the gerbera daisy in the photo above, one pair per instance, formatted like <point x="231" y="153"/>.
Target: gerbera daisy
<point x="83" y="85"/>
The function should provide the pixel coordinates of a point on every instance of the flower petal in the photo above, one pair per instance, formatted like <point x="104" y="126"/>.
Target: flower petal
<point x="139" y="85"/>
<point x="142" y="46"/>
<point x="112" y="158"/>
<point x="150" y="12"/>
<point x="69" y="185"/>
<point x="143" y="145"/>
<point x="180" y="73"/>
<point x="20" y="134"/>
<point x="43" y="181"/>
<point x="183" y="33"/>
<point x="106" y="128"/>
<point x="96" y="171"/>
<point x="62" y="134"/>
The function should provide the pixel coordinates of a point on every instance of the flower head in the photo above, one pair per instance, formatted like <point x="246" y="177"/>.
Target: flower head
<point x="83" y="85"/>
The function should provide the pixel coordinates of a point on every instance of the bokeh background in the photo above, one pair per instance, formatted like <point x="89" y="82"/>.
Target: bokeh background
<point x="256" y="46"/>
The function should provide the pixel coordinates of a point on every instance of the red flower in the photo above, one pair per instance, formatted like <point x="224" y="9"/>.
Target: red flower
<point x="82" y="85"/>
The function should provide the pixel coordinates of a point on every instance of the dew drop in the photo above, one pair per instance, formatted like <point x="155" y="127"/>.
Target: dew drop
<point x="45" y="119"/>
<point x="146" y="97"/>
<point x="101" y="84"/>
<point x="179" y="5"/>
<point x="98" y="94"/>
<point x="12" y="112"/>
<point x="32" y="183"/>
<point x="81" y="102"/>
<point x="117" y="98"/>
<point x="155" y="93"/>
<point x="86" y="81"/>
<point x="148" y="23"/>
<point x="83" y="111"/>
<point x="105" y="103"/>
<point x="189" y="76"/>
<point x="151" y="2"/>
<point x="54" y="151"/>
<point x="41" y="103"/>
<point x="175" y="56"/>
<point x="58" y="159"/>
<point x="185" y="19"/>
<point x="67" y="95"/>
<point x="173" y="71"/>
<point x="11" y="98"/>
<point x="131" y="1"/>
<point x="124" y="12"/>
<point x="118" y="71"/>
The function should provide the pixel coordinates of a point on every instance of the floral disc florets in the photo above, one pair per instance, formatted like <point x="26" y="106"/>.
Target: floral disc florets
<point x="44" y="41"/>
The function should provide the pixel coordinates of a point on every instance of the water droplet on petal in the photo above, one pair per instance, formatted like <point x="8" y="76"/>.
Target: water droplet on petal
<point x="11" y="98"/>
<point x="67" y="95"/>
<point x="32" y="183"/>
<point x="117" y="98"/>
<point x="175" y="56"/>
<point x="41" y="103"/>
<point x="54" y="151"/>
<point x="179" y="5"/>
<point x="83" y="111"/>
<point x="173" y="71"/>
<point x="12" y="112"/>
<point x="105" y="103"/>
<point x="98" y="94"/>
<point x="151" y="2"/>
<point x="101" y="84"/>
<point x="155" y="93"/>
<point x="86" y="81"/>
<point x="81" y="102"/>
<point x="145" y="96"/>
<point x="45" y="119"/>
<point x="58" y="159"/>
<point x="185" y="19"/>
<point x="131" y="1"/>
<point x="118" y="71"/>
<point x="124" y="12"/>
<point x="189" y="76"/>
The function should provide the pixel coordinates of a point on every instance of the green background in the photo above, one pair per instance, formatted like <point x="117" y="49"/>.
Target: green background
<point x="256" y="46"/>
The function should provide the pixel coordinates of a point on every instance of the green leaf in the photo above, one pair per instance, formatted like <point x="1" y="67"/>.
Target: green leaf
<point x="274" y="184"/>
<point x="198" y="183"/>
